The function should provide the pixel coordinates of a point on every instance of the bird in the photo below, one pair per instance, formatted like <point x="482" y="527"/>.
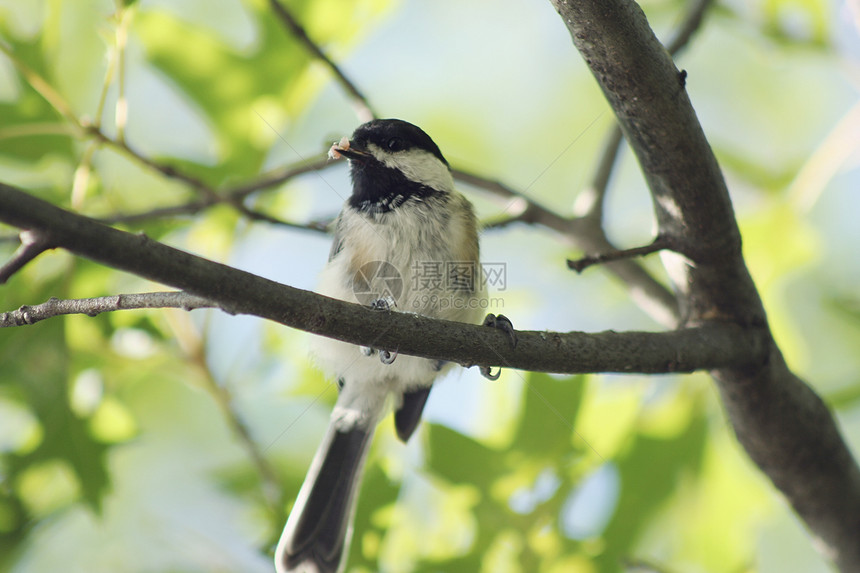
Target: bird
<point x="405" y="241"/>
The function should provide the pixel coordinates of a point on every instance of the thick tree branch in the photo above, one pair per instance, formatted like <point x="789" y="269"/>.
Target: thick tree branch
<point x="584" y="230"/>
<point x="784" y="426"/>
<point x="236" y="291"/>
<point x="589" y="203"/>
<point x="586" y="235"/>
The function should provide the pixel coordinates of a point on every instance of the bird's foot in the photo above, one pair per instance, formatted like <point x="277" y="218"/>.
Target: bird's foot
<point x="503" y="323"/>
<point x="381" y="304"/>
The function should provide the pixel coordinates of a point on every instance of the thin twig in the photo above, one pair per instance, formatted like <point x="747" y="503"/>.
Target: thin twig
<point x="504" y="222"/>
<point x="315" y="163"/>
<point x="189" y="208"/>
<point x="94" y="130"/>
<point x="581" y="264"/>
<point x="31" y="314"/>
<point x="359" y="101"/>
<point x="42" y="87"/>
<point x="33" y="244"/>
<point x="253" y="215"/>
<point x="689" y="26"/>
<point x="121" y="111"/>
<point x="272" y="491"/>
<point x="193" y="344"/>
<point x="525" y="209"/>
<point x="234" y="196"/>
<point x="166" y="170"/>
<point x="588" y="235"/>
<point x="211" y="197"/>
<point x="110" y="71"/>
<point x="195" y="207"/>
<point x="589" y="203"/>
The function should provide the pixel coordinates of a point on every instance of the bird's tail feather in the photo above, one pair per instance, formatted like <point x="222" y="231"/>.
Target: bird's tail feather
<point x="317" y="534"/>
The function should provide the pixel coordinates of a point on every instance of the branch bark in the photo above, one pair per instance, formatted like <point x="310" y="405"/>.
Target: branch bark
<point x="235" y="291"/>
<point x="31" y="314"/>
<point x="586" y="234"/>
<point x="783" y="425"/>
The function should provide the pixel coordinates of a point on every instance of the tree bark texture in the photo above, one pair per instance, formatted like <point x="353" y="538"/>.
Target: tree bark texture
<point x="784" y="426"/>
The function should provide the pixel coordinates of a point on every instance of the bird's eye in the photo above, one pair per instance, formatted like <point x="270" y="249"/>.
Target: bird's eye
<point x="394" y="144"/>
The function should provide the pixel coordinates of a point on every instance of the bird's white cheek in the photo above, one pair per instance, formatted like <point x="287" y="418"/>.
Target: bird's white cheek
<point x="419" y="166"/>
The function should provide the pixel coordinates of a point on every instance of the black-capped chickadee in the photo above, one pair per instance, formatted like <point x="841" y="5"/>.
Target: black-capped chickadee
<point x="405" y="240"/>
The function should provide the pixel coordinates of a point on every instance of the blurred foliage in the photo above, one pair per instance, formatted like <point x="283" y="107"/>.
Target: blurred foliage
<point x="121" y="436"/>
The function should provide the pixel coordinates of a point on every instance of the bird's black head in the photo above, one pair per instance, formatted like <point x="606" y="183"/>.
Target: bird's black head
<point x="394" y="136"/>
<point x="391" y="162"/>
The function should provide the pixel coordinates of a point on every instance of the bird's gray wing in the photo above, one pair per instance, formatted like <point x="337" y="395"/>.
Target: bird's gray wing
<point x="337" y="242"/>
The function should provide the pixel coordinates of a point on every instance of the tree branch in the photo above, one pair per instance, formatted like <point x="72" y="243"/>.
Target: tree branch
<point x="583" y="263"/>
<point x="236" y="291"/>
<point x="94" y="306"/>
<point x="280" y="176"/>
<point x="587" y="235"/>
<point x="588" y="209"/>
<point x="210" y="196"/>
<point x="649" y="294"/>
<point x="589" y="202"/>
<point x="167" y="170"/>
<point x="193" y="344"/>
<point x="235" y="196"/>
<point x="783" y="425"/>
<point x="359" y="101"/>
<point x="689" y="26"/>
<point x="33" y="244"/>
<point x="28" y="315"/>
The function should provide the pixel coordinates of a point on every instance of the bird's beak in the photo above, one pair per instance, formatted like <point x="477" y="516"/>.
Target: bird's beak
<point x="354" y="153"/>
<point x="345" y="148"/>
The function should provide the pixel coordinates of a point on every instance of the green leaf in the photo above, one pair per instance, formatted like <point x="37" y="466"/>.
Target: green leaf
<point x="36" y="364"/>
<point x="31" y="129"/>
<point x="550" y="407"/>
<point x="798" y="21"/>
<point x="224" y="83"/>
<point x="377" y="494"/>
<point x="651" y="471"/>
<point x="473" y="462"/>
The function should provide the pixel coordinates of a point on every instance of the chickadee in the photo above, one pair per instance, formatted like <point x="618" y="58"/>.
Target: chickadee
<point x="405" y="240"/>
